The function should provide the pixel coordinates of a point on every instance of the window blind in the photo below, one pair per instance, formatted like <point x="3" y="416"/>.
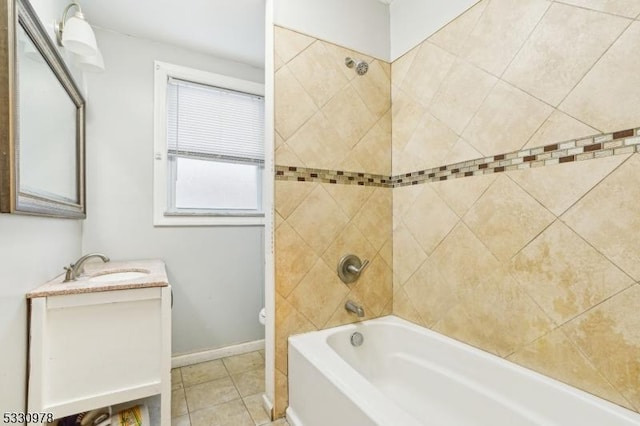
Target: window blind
<point x="209" y="122"/>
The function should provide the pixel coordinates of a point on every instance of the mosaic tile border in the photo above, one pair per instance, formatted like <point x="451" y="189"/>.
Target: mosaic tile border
<point x="304" y="174"/>
<point x="598" y="146"/>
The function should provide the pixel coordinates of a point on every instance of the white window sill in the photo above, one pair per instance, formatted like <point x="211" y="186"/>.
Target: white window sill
<point x="177" y="219"/>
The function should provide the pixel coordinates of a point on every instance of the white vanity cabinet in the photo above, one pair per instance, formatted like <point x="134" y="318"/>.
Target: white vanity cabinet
<point x="93" y="345"/>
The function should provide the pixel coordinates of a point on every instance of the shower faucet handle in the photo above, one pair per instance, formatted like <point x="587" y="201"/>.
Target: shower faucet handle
<point x="350" y="268"/>
<point x="357" y="270"/>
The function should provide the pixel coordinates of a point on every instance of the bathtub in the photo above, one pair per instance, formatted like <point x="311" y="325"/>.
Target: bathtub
<point x="406" y="375"/>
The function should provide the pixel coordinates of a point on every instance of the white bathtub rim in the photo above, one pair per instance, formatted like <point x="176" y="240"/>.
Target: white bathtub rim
<point x="313" y="346"/>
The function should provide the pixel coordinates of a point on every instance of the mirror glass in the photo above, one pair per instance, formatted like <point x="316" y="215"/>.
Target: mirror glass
<point x="46" y="128"/>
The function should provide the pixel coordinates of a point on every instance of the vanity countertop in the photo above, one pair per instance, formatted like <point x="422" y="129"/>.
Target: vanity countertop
<point x="156" y="277"/>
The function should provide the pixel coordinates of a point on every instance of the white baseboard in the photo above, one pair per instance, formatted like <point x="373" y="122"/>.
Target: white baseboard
<point x="267" y="405"/>
<point x="198" y="357"/>
<point x="291" y="417"/>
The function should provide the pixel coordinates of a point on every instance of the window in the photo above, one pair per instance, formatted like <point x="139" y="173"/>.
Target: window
<point x="209" y="148"/>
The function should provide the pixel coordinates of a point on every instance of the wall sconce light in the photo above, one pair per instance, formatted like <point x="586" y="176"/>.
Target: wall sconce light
<point x="75" y="35"/>
<point x="93" y="63"/>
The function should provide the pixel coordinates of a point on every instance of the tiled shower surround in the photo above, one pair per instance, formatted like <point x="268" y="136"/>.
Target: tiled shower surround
<point x="535" y="255"/>
<point x="327" y="118"/>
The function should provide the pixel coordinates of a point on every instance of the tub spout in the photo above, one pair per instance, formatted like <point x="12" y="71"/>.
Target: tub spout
<point x="353" y="307"/>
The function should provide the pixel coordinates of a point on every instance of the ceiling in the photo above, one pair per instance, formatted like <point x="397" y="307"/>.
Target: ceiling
<point x="229" y="29"/>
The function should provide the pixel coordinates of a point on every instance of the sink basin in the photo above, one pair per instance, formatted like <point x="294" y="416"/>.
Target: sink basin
<point x="111" y="277"/>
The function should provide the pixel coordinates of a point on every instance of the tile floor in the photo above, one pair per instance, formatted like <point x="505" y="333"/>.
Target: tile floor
<point x="223" y="392"/>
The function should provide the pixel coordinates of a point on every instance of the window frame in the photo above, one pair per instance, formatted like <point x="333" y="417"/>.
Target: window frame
<point x="161" y="183"/>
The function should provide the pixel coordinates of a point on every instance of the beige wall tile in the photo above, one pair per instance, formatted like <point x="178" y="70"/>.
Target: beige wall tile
<point x="386" y="252"/>
<point x="285" y="156"/>
<point x="605" y="216"/>
<point x="406" y="116"/>
<point x="319" y="294"/>
<point x="548" y="69"/>
<point x="431" y="142"/>
<point x="506" y="218"/>
<point x="282" y="395"/>
<point x="374" y="150"/>
<point x="430" y="293"/>
<point x="501" y="31"/>
<point x="277" y="62"/>
<point x="374" y="88"/>
<point x="559" y="127"/>
<point x="288" y="322"/>
<point x="458" y="325"/>
<point x="341" y="316"/>
<point x="460" y="194"/>
<point x="351" y="163"/>
<point x="277" y="140"/>
<point x="403" y="199"/>
<point x="403" y="162"/>
<point x="607" y="97"/>
<point x="349" y="241"/>
<point x="422" y="85"/>
<point x="408" y="255"/>
<point x="558" y="187"/>
<point x="338" y="54"/>
<point x="400" y="67"/>
<point x="374" y="218"/>
<point x="317" y="144"/>
<point x="293" y="259"/>
<point x="461" y="95"/>
<point x="496" y="302"/>
<point x="288" y="44"/>
<point x="461" y="151"/>
<point x="321" y="77"/>
<point x="293" y="106"/>
<point x="350" y="198"/>
<point x="565" y="275"/>
<point x="554" y="355"/>
<point x="429" y="219"/>
<point x="385" y="123"/>
<point x="277" y="220"/>
<point x="289" y="195"/>
<point x="461" y="247"/>
<point x="506" y="120"/>
<point x="375" y="286"/>
<point x="403" y="308"/>
<point x="454" y="35"/>
<point x="628" y="8"/>
<point x="349" y="115"/>
<point x="609" y="335"/>
<point x="318" y="220"/>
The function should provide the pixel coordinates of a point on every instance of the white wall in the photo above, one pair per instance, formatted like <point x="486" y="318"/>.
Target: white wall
<point x="33" y="250"/>
<point x="412" y="21"/>
<point x="361" y="25"/>
<point x="217" y="273"/>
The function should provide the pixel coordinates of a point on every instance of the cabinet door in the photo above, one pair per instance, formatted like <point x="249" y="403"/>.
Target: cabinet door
<point x="95" y="349"/>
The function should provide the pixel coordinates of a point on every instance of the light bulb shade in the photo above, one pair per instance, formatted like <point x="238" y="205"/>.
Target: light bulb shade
<point x="78" y="37"/>
<point x="93" y="63"/>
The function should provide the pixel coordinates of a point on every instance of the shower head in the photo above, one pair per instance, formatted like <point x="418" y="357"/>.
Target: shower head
<point x="361" y="66"/>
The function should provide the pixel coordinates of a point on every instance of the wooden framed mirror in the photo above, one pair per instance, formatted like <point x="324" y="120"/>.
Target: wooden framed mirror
<point x="42" y="115"/>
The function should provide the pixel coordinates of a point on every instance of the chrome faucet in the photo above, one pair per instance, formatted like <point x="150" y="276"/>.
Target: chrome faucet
<point x="76" y="269"/>
<point x="353" y="307"/>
